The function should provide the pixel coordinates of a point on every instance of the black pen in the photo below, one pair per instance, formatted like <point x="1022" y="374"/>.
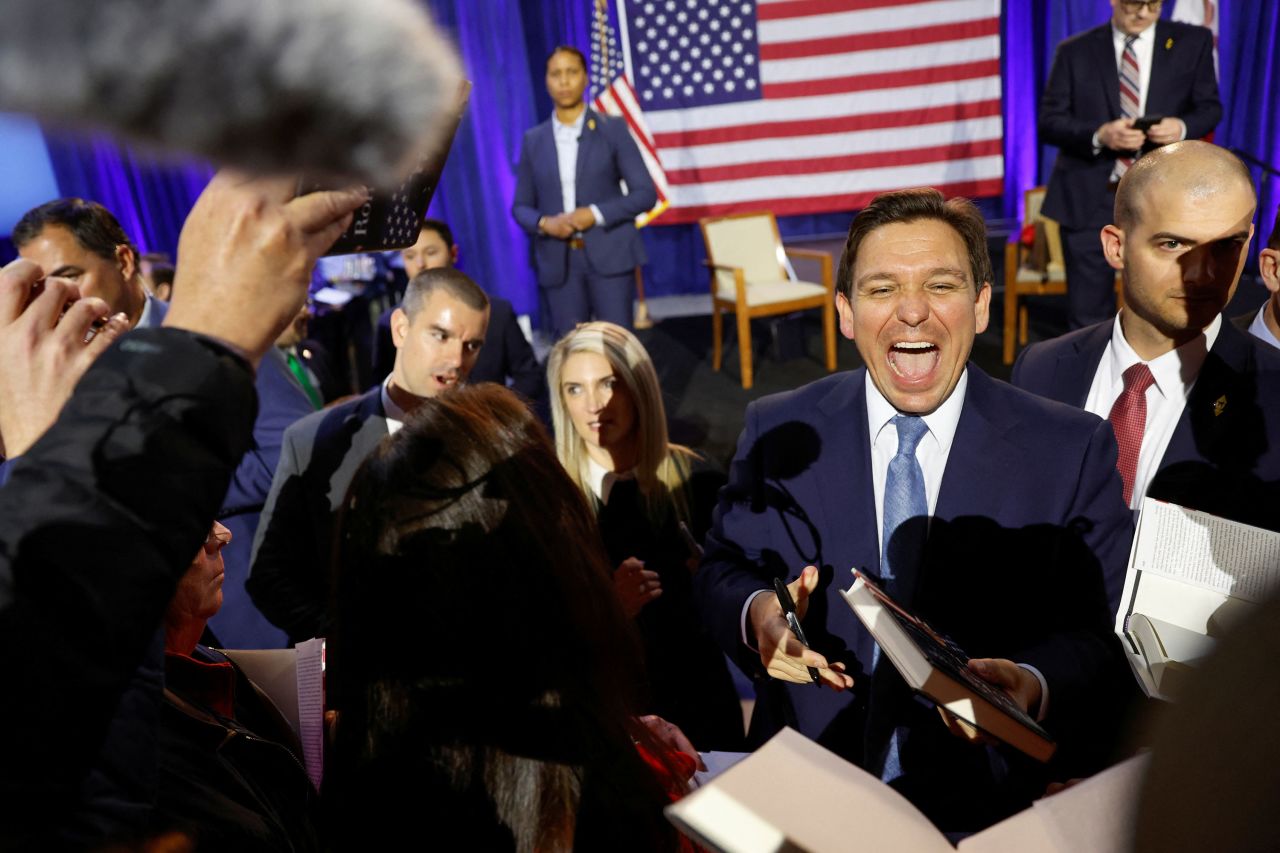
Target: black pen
<point x="789" y="610"/>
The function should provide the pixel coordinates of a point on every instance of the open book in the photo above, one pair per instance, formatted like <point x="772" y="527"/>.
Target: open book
<point x="293" y="679"/>
<point x="1192" y="576"/>
<point x="936" y="668"/>
<point x="792" y="794"/>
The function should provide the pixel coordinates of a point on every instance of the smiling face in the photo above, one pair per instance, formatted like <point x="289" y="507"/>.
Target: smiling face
<point x="600" y="406"/>
<point x="1181" y="260"/>
<point x="438" y="346"/>
<point x="566" y="80"/>
<point x="913" y="313"/>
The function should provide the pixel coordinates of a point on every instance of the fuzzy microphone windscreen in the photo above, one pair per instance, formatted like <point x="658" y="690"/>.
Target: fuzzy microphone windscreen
<point x="331" y="86"/>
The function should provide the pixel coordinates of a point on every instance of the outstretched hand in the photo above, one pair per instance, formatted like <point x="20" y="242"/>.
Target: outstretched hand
<point x="784" y="656"/>
<point x="1018" y="684"/>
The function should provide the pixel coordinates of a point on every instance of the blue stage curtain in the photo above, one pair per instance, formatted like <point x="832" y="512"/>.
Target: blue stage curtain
<point x="150" y="197"/>
<point x="1250" y="82"/>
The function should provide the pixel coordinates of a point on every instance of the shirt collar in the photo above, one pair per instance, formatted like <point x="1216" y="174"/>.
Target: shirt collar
<point x="941" y="422"/>
<point x="601" y="479"/>
<point x="1118" y="35"/>
<point x="144" y="319"/>
<point x="1176" y="370"/>
<point x="395" y="414"/>
<point x="575" y="128"/>
<point x="1260" y="330"/>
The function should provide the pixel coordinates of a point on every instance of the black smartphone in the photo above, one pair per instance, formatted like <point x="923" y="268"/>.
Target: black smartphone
<point x="392" y="217"/>
<point x="1145" y="123"/>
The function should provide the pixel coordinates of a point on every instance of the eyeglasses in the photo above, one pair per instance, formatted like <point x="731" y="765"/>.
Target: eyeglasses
<point x="1138" y="5"/>
<point x="217" y="540"/>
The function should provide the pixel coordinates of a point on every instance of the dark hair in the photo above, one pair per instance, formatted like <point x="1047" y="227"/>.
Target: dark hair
<point x="452" y="281"/>
<point x="564" y="48"/>
<point x="1273" y="242"/>
<point x="482" y="666"/>
<point x="162" y="274"/>
<point x="446" y="234"/>
<point x="912" y="206"/>
<point x="93" y="226"/>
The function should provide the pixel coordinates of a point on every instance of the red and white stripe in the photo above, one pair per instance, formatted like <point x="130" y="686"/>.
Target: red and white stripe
<point x="859" y="97"/>
<point x="620" y="100"/>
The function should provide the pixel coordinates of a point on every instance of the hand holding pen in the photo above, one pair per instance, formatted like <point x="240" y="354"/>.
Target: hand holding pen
<point x="782" y="652"/>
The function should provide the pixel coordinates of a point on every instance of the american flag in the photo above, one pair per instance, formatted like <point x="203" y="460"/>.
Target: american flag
<point x="614" y="96"/>
<point x="808" y="106"/>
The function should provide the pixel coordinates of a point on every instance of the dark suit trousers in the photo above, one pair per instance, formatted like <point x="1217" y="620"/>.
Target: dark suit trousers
<point x="587" y="295"/>
<point x="1091" y="281"/>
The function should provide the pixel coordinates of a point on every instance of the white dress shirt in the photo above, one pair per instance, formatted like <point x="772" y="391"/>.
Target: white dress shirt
<point x="567" y="136"/>
<point x="1175" y="373"/>
<point x="395" y="414"/>
<point x="601" y="479"/>
<point x="1260" y="330"/>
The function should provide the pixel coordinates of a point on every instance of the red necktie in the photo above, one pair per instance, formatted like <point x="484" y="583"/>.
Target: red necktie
<point x="1129" y="420"/>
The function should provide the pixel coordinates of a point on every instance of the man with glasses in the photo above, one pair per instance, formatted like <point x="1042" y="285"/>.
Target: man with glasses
<point x="1103" y="81"/>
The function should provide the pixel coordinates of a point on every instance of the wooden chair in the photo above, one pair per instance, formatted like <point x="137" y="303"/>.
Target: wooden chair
<point x="749" y="277"/>
<point x="1022" y="280"/>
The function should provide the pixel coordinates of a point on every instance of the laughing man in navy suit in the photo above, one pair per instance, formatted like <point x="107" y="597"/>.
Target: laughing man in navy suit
<point x="1006" y="529"/>
<point x="1081" y="113"/>
<point x="569" y="198"/>
<point x="1211" y="430"/>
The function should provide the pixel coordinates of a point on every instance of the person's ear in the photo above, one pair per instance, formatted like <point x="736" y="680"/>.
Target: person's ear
<point x="399" y="327"/>
<point x="1269" y="266"/>
<point x="126" y="260"/>
<point x="1113" y="246"/>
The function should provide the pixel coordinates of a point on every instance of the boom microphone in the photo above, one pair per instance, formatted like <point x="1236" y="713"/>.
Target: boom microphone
<point x="325" y="86"/>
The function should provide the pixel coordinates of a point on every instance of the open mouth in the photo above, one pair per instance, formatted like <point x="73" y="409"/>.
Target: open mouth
<point x="446" y="381"/>
<point x="913" y="360"/>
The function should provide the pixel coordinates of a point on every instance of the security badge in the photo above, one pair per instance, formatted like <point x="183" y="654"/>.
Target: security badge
<point x="1219" y="405"/>
<point x="1168" y="43"/>
<point x="591" y="124"/>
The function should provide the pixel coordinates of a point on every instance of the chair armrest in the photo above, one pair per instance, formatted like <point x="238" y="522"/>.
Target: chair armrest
<point x="824" y="264"/>
<point x="739" y="280"/>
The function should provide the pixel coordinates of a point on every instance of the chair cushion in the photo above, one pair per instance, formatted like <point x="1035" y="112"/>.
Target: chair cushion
<point x="768" y="292"/>
<point x="1036" y="277"/>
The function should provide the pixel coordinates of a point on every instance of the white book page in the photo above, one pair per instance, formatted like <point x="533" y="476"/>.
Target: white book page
<point x="311" y="706"/>
<point x="1206" y="551"/>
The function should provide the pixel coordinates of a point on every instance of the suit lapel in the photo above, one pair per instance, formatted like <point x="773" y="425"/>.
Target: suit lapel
<point x="1076" y="365"/>
<point x="1104" y="54"/>
<point x="1157" y="85"/>
<point x="971" y="473"/>
<point x="586" y="141"/>
<point x="847" y="504"/>
<point x="1216" y="404"/>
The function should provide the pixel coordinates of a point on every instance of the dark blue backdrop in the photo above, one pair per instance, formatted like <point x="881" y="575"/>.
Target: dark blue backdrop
<point x="504" y="44"/>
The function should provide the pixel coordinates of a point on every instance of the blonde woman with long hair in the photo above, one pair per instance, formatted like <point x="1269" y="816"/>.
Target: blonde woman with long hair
<point x="653" y="502"/>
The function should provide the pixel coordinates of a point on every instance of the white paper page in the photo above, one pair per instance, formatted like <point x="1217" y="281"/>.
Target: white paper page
<point x="717" y="763"/>
<point x="1206" y="551"/>
<point x="1096" y="814"/>
<point x="311" y="706"/>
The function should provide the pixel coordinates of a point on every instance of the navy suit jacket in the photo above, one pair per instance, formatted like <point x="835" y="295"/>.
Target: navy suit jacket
<point x="1029" y="539"/>
<point x="292" y="555"/>
<point x="1083" y="93"/>
<point x="607" y="156"/>
<point x="1224" y="456"/>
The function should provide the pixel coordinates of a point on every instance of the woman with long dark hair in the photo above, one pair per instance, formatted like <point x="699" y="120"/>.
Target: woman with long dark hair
<point x="480" y="661"/>
<point x="653" y="501"/>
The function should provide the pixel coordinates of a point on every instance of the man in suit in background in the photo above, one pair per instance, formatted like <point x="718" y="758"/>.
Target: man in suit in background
<point x="1133" y="66"/>
<point x="438" y="330"/>
<point x="994" y="514"/>
<point x="569" y="198"/>
<point x="506" y="354"/>
<point x="1194" y="401"/>
<point x="1265" y="325"/>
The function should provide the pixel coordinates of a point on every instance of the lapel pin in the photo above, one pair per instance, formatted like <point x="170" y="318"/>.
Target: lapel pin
<point x="1168" y="43"/>
<point x="1219" y="405"/>
<point x="591" y="124"/>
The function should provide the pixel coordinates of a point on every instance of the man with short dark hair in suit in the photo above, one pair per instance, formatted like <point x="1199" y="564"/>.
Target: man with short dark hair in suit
<point x="569" y="198"/>
<point x="438" y="329"/>
<point x="1265" y="325"/>
<point x="994" y="514"/>
<point x="1166" y="71"/>
<point x="506" y="356"/>
<point x="1201" y="397"/>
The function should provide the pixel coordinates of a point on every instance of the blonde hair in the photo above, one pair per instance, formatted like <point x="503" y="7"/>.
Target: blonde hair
<point x="662" y="468"/>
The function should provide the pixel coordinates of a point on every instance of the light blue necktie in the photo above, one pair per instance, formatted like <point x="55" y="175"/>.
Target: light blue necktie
<point x="904" y="499"/>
